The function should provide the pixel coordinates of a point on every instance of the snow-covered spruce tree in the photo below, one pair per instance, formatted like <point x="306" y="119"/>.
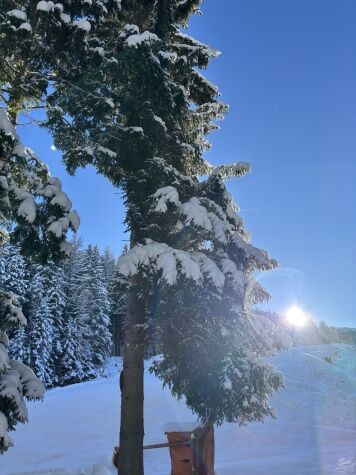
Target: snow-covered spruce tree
<point x="202" y="290"/>
<point x="39" y="343"/>
<point x="97" y="307"/>
<point x="122" y="134"/>
<point x="118" y="301"/>
<point x="39" y="331"/>
<point x="35" y="214"/>
<point x="75" y="363"/>
<point x="40" y="40"/>
<point x="141" y="117"/>
<point x="54" y="281"/>
<point x="13" y="273"/>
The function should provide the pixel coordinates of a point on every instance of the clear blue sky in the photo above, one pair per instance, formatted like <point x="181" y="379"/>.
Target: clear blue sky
<point x="288" y="72"/>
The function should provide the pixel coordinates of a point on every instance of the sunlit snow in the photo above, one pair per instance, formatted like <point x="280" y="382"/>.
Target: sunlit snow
<point x="73" y="432"/>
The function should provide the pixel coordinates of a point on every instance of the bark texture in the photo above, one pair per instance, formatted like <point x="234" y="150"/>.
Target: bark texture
<point x="132" y="396"/>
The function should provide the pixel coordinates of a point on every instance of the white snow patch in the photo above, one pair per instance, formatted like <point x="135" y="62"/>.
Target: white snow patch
<point x="18" y="14"/>
<point x="83" y="25"/>
<point x="74" y="431"/>
<point x="65" y="18"/>
<point x="25" y="26"/>
<point x="45" y="6"/>
<point x="27" y="209"/>
<point x="136" y="40"/>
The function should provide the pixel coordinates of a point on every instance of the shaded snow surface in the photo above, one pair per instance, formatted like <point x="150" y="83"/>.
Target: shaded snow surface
<point x="74" y="430"/>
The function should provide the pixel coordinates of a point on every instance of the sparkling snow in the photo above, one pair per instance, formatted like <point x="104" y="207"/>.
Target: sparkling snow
<point x="137" y="39"/>
<point x="74" y="430"/>
<point x="83" y="25"/>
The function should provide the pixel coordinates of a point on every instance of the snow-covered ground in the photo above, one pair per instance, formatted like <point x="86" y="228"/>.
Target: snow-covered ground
<point x="74" y="430"/>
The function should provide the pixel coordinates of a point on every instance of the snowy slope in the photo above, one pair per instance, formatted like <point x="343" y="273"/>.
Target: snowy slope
<point x="74" y="430"/>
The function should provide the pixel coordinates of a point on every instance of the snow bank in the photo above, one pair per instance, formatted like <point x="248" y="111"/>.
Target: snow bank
<point x="74" y="430"/>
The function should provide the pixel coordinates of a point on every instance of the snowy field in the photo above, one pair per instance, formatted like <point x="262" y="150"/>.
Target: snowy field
<point x="74" y="430"/>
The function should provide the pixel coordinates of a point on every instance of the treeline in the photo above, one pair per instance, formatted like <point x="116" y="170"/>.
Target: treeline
<point x="313" y="333"/>
<point x="73" y="311"/>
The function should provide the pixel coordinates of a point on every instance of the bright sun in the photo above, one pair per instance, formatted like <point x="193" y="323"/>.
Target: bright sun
<point x="296" y="316"/>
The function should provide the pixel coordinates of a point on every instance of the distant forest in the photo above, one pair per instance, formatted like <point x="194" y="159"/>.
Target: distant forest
<point x="74" y="313"/>
<point x="313" y="333"/>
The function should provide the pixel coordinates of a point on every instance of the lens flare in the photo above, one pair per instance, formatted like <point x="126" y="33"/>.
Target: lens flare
<point x="296" y="316"/>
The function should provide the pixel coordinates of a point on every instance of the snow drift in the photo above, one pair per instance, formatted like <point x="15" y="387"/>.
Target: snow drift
<point x="74" y="430"/>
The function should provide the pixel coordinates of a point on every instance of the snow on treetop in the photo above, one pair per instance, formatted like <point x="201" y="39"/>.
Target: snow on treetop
<point x="14" y="312"/>
<point x="66" y="248"/>
<point x="59" y="227"/>
<point x="18" y="14"/>
<point x="65" y="18"/>
<point x="206" y="81"/>
<point x="129" y="30"/>
<point x="32" y="387"/>
<point x="3" y="183"/>
<point x="4" y="359"/>
<point x="239" y="278"/>
<point x="211" y="270"/>
<point x="45" y="6"/>
<point x="9" y="389"/>
<point x="160" y="121"/>
<point x="194" y="212"/>
<point x="27" y="209"/>
<point x="83" y="25"/>
<point x="137" y="39"/>
<point x="59" y="6"/>
<point x="74" y="220"/>
<point x="6" y="125"/>
<point x="233" y="170"/>
<point x="170" y="262"/>
<point x="106" y="151"/>
<point x="62" y="200"/>
<point x="164" y="195"/>
<point x="167" y="55"/>
<point x="25" y="26"/>
<point x="259" y="257"/>
<point x="99" y="49"/>
<point x="9" y="129"/>
<point x="3" y="431"/>
<point x="191" y="40"/>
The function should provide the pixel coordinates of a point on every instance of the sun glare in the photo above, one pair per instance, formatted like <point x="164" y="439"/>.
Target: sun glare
<point x="296" y="316"/>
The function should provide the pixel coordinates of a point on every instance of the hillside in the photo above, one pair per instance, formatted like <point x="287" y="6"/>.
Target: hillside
<point x="74" y="430"/>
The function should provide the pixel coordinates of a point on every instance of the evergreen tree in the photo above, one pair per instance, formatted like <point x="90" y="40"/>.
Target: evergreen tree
<point x="76" y="360"/>
<point x="118" y="306"/>
<point x="98" y="308"/>
<point x="54" y="287"/>
<point x="135" y="107"/>
<point x="13" y="274"/>
<point x="40" y="330"/>
<point x="35" y="214"/>
<point x="141" y="116"/>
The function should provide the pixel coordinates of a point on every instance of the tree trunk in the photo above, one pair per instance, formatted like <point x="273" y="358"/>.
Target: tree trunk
<point x="132" y="426"/>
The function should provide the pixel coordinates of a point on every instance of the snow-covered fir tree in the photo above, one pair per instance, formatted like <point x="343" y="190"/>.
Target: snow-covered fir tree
<point x="40" y="328"/>
<point x="136" y="107"/>
<point x="97" y="306"/>
<point x="190" y="269"/>
<point x="39" y="343"/>
<point x="13" y="273"/>
<point x="76" y="363"/>
<point x="54" y="294"/>
<point x="118" y="301"/>
<point x="34" y="213"/>
<point x="75" y="305"/>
